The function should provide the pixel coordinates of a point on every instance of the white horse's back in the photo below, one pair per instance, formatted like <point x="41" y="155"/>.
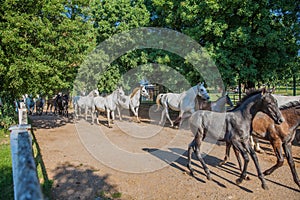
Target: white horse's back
<point x="282" y="100"/>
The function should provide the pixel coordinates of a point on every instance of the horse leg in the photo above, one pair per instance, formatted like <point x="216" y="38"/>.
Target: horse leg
<point x="189" y="165"/>
<point x="195" y="145"/>
<point x="97" y="116"/>
<point x="287" y="147"/>
<point x="108" y="118"/>
<point x="255" y="160"/>
<point x="162" y="116"/>
<point x="255" y="145"/>
<point x="168" y="116"/>
<point x="137" y="115"/>
<point x="112" y="117"/>
<point x="85" y="113"/>
<point x="277" y="146"/>
<point x="227" y="154"/>
<point x="239" y="147"/>
<point x="119" y="113"/>
<point x="92" y="113"/>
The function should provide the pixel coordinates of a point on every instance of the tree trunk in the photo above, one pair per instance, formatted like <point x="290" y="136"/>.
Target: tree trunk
<point x="294" y="85"/>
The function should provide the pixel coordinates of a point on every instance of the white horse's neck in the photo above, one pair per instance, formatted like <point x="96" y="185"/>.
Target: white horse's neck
<point x="192" y="92"/>
<point x="137" y="95"/>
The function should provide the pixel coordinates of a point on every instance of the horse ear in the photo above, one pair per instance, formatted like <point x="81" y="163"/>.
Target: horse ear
<point x="272" y="90"/>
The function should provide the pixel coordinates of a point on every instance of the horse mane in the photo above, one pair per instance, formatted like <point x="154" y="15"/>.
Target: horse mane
<point x="135" y="90"/>
<point x="290" y="105"/>
<point x="249" y="94"/>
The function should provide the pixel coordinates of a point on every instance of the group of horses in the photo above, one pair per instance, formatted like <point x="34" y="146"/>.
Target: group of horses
<point x="59" y="102"/>
<point x="117" y="100"/>
<point x="259" y="114"/>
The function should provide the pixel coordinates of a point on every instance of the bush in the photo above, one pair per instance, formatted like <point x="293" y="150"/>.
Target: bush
<point x="8" y="116"/>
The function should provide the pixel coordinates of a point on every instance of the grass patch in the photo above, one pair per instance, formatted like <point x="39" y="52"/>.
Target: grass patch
<point x="109" y="196"/>
<point x="6" y="178"/>
<point x="6" y="174"/>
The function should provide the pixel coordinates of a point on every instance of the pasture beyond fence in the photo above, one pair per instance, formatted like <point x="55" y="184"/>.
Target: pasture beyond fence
<point x="25" y="178"/>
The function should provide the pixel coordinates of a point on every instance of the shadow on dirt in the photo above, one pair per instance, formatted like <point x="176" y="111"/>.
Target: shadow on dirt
<point x="231" y="168"/>
<point x="81" y="182"/>
<point x="49" y="121"/>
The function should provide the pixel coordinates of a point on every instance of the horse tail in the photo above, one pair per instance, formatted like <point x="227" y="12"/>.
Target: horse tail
<point x="158" y="103"/>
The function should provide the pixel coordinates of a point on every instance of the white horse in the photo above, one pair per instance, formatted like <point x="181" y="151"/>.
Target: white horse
<point x="183" y="102"/>
<point x="281" y="100"/>
<point x="132" y="101"/>
<point x="108" y="104"/>
<point x="86" y="103"/>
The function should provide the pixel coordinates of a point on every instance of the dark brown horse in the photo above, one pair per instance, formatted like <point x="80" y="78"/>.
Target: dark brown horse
<point x="51" y="102"/>
<point x="235" y="129"/>
<point x="280" y="136"/>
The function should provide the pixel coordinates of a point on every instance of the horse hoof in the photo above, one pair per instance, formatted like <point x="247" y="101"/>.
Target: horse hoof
<point x="209" y="177"/>
<point x="260" y="151"/>
<point x="222" y="163"/>
<point x="247" y="178"/>
<point x="266" y="173"/>
<point x="239" y="181"/>
<point x="192" y="173"/>
<point x="265" y="187"/>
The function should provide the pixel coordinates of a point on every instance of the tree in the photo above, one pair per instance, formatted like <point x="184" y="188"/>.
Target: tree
<point x="42" y="44"/>
<point x="248" y="40"/>
<point x="113" y="17"/>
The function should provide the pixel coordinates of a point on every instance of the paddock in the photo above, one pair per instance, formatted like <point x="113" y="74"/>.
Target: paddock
<point x="78" y="174"/>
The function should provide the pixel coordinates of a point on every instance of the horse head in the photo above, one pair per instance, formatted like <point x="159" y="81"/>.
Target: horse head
<point x="144" y="92"/>
<point x="201" y="91"/>
<point x="94" y="93"/>
<point x="120" y="92"/>
<point x="269" y="105"/>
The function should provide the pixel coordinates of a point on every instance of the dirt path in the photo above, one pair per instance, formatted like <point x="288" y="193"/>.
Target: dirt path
<point x="74" y="166"/>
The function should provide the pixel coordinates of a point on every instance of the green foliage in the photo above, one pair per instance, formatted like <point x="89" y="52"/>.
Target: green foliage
<point x="8" y="116"/>
<point x="45" y="45"/>
<point x="42" y="44"/>
<point x="249" y="40"/>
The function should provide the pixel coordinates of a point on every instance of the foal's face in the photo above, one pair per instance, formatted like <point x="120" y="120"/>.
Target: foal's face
<point x="270" y="107"/>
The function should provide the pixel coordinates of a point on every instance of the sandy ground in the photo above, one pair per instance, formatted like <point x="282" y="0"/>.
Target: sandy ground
<point x="151" y="164"/>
